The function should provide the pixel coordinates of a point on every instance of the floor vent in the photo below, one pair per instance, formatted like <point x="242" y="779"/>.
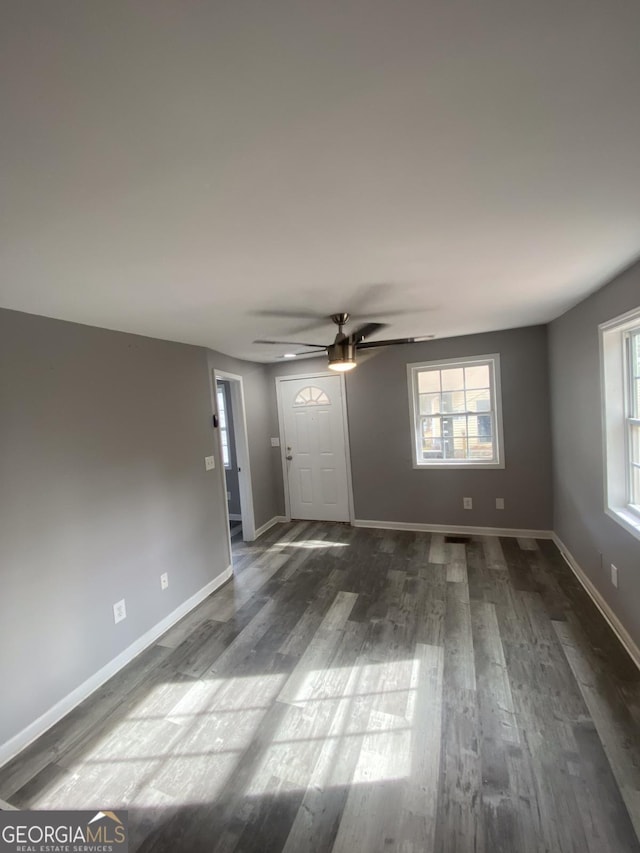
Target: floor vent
<point x="458" y="540"/>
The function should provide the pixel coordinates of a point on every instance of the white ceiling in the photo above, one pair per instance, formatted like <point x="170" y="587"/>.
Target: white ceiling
<point x="171" y="167"/>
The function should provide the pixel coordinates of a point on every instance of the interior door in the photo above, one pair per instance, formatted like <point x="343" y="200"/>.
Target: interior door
<point x="315" y="447"/>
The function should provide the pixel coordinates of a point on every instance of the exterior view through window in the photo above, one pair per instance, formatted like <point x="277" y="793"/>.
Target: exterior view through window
<point x="456" y="413"/>
<point x="223" y="426"/>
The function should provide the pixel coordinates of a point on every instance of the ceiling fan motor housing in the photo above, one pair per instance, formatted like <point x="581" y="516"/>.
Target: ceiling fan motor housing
<point x="342" y="352"/>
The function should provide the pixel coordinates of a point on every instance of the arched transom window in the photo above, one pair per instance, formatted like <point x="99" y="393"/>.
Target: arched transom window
<point x="311" y="396"/>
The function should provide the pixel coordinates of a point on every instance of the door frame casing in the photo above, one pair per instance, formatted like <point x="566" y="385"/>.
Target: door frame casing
<point x="241" y="439"/>
<point x="345" y="431"/>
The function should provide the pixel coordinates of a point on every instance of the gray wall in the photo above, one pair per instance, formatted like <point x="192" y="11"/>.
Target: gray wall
<point x="258" y="393"/>
<point x="385" y="484"/>
<point x="594" y="539"/>
<point x="103" y="487"/>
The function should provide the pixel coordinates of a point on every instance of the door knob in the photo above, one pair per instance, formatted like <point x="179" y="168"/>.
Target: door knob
<point x="289" y="458"/>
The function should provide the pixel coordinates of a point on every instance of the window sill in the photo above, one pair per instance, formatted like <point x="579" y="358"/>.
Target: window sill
<point x="629" y="520"/>
<point x="452" y="466"/>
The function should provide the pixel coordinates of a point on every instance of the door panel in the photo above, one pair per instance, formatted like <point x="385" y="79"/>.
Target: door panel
<point x="314" y="438"/>
<point x="301" y="432"/>
<point x="329" y="486"/>
<point x="325" y="438"/>
<point x="306" y="485"/>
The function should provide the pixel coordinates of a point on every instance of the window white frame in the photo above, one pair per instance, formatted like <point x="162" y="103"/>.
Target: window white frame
<point x="620" y="419"/>
<point x="493" y="362"/>
<point x="223" y="425"/>
<point x="632" y="361"/>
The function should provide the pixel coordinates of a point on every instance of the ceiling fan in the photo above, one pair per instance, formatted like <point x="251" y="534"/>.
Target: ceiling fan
<point x="342" y="351"/>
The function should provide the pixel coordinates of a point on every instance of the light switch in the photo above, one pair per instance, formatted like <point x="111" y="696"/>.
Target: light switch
<point x="209" y="463"/>
<point x="275" y="442"/>
<point x="119" y="611"/>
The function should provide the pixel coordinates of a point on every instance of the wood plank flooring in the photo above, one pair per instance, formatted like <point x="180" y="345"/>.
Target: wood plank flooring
<point x="357" y="691"/>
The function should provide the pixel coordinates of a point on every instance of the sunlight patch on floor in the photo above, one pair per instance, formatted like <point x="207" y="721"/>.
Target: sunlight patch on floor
<point x="354" y="731"/>
<point x="193" y="750"/>
<point x="183" y="739"/>
<point x="311" y="544"/>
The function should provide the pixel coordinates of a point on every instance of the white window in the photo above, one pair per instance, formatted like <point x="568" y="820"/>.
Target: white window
<point x="620" y="366"/>
<point x="223" y="427"/>
<point x="456" y="413"/>
<point x="311" y="396"/>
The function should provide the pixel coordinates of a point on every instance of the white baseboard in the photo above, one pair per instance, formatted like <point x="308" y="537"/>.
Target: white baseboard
<point x="6" y="807"/>
<point x="17" y="743"/>
<point x="454" y="529"/>
<point x="616" y="625"/>
<point x="277" y="519"/>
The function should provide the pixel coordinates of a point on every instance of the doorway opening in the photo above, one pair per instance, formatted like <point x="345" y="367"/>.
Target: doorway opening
<point x="234" y="454"/>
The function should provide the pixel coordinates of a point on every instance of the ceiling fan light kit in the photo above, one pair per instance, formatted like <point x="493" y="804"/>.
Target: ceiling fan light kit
<point x="342" y="356"/>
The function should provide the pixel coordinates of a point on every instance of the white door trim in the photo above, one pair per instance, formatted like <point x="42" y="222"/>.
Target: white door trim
<point x="241" y="439"/>
<point x="345" y="429"/>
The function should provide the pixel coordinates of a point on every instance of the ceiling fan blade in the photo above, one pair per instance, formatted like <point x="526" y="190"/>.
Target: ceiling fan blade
<point x="315" y="320"/>
<point x="290" y="315"/>
<point x="365" y="315"/>
<point x="393" y="342"/>
<point x="365" y="331"/>
<point x="292" y="344"/>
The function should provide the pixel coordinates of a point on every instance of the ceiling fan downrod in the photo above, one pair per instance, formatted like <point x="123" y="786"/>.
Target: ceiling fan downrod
<point x="340" y="320"/>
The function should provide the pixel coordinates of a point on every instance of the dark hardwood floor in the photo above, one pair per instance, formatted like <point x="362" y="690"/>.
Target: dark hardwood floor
<point x="359" y="690"/>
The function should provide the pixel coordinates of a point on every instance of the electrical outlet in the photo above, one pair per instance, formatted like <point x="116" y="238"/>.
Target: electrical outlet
<point x="119" y="611"/>
<point x="499" y="503"/>
<point x="209" y="463"/>
<point x="164" y="580"/>
<point x="467" y="503"/>
<point x="275" y="442"/>
<point x="614" y="575"/>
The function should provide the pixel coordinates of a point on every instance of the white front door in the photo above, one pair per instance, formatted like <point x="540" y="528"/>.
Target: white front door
<point x="314" y="447"/>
